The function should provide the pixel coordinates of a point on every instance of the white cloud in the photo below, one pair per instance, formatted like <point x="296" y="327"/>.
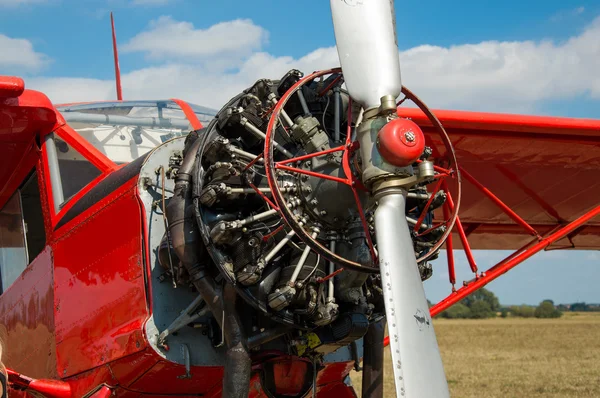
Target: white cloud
<point x="17" y="3"/>
<point x="150" y="3"/>
<point x="18" y="54"/>
<point x="167" y="39"/>
<point x="562" y="15"/>
<point x="495" y="76"/>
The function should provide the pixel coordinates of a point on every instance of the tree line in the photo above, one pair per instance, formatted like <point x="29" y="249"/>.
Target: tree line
<point x="484" y="304"/>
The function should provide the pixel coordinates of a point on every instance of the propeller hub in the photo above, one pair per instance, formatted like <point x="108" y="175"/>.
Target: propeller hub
<point x="401" y="142"/>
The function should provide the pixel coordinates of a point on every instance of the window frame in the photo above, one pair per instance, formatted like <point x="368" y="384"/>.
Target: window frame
<point x="85" y="149"/>
<point x="32" y="173"/>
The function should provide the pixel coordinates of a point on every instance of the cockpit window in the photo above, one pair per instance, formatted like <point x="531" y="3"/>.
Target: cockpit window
<point x="124" y="131"/>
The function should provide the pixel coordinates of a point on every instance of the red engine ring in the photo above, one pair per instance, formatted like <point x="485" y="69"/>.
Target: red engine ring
<point x="271" y="166"/>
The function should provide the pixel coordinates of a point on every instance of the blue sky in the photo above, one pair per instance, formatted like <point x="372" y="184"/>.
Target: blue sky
<point x="534" y="56"/>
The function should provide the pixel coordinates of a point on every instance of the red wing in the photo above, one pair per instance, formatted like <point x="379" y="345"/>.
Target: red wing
<point x="546" y="169"/>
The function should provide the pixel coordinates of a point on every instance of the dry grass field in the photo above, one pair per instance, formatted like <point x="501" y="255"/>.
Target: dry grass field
<point x="515" y="357"/>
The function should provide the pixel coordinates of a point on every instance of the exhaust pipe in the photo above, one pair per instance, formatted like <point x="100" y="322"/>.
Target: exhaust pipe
<point x="372" y="377"/>
<point x="187" y="245"/>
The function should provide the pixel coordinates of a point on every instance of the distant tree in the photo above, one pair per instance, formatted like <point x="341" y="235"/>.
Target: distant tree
<point x="524" y="311"/>
<point x="548" y="301"/>
<point x="483" y="295"/>
<point x="457" y="311"/>
<point x="546" y="309"/>
<point x="481" y="309"/>
<point x="429" y="304"/>
<point x="504" y="312"/>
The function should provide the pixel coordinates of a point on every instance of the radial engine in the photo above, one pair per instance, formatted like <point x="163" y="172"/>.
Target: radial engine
<point x="273" y="211"/>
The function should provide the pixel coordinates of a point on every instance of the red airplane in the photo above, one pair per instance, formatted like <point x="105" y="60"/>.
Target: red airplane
<point x="242" y="259"/>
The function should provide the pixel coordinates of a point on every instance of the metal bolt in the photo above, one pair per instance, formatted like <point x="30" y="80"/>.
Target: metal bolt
<point x="410" y="136"/>
<point x="323" y="213"/>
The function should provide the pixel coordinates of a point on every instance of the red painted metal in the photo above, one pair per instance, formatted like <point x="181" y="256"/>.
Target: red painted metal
<point x="189" y="113"/>
<point x="450" y="251"/>
<point x="107" y="280"/>
<point x="74" y="199"/>
<point x="21" y="120"/>
<point x="47" y="388"/>
<point x="116" y="59"/>
<point x="461" y="232"/>
<point x="436" y="188"/>
<point x="401" y="142"/>
<point x="77" y="312"/>
<point x="263" y="196"/>
<point x="311" y="173"/>
<point x="27" y="316"/>
<point x="495" y="272"/>
<point x="498" y="202"/>
<point x="332" y="275"/>
<point x="103" y="392"/>
<point x="11" y="86"/>
<point x="506" y="124"/>
<point x="312" y="155"/>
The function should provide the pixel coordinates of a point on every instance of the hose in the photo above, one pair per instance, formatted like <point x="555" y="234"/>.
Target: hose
<point x="188" y="247"/>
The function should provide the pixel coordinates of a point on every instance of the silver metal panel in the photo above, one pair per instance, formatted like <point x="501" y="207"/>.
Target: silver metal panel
<point x="167" y="301"/>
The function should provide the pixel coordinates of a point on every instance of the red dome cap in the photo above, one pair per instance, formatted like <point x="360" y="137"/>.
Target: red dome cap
<point x="401" y="142"/>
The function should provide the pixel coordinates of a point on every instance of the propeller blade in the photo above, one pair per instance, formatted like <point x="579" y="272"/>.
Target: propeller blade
<point x="365" y="33"/>
<point x="418" y="368"/>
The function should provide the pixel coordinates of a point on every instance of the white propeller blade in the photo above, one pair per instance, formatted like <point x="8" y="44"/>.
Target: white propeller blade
<point x="365" y="33"/>
<point x="418" y="369"/>
<point x="366" y="41"/>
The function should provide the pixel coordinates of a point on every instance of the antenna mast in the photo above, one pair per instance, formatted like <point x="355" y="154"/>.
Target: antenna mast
<point x="116" y="56"/>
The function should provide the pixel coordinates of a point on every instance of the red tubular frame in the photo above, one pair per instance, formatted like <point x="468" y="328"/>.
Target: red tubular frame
<point x="500" y="268"/>
<point x="509" y="263"/>
<point x="461" y="231"/>
<point x="449" y="250"/>
<point x="499" y="203"/>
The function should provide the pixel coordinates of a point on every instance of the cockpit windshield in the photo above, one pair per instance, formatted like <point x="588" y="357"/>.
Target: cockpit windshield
<point x="126" y="130"/>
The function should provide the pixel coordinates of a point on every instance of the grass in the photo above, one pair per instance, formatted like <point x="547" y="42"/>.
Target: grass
<point x="516" y="357"/>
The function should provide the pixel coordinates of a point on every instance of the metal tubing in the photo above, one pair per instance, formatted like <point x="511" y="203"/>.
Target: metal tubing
<point x="418" y="368"/>
<point x="496" y="271"/>
<point x="244" y="154"/>
<point x="258" y="217"/>
<point x="330" y="289"/>
<point x="372" y="377"/>
<point x="516" y="218"/>
<point x="303" y="258"/>
<point x="112" y="120"/>
<point x="287" y="118"/>
<point x="312" y="155"/>
<point x="55" y="180"/>
<point x="279" y="246"/>
<point x="116" y="59"/>
<point x="238" y="366"/>
<point x="449" y="251"/>
<point x="303" y="103"/>
<point x="186" y="244"/>
<point x="337" y="112"/>
<point x="436" y="188"/>
<point x="311" y="173"/>
<point x="259" y="134"/>
<point x="461" y="231"/>
<point x="413" y="222"/>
